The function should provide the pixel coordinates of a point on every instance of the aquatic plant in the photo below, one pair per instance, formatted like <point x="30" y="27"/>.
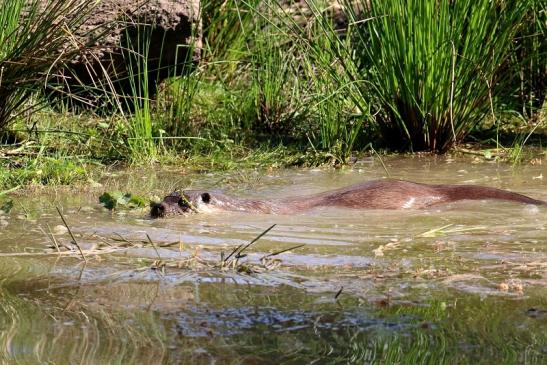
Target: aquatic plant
<point x="36" y="37"/>
<point x="341" y="109"/>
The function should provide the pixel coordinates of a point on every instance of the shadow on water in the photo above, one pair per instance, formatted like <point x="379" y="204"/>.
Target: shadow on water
<point x="458" y="284"/>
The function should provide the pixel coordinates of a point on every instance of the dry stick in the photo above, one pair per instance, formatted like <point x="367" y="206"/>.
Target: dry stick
<point x="338" y="293"/>
<point x="153" y="245"/>
<point x="282" y="251"/>
<point x="233" y="251"/>
<point x="381" y="161"/>
<point x="71" y="235"/>
<point x="168" y="244"/>
<point x="122" y="239"/>
<point x="379" y="158"/>
<point x="253" y="241"/>
<point x="50" y="237"/>
<point x="239" y="249"/>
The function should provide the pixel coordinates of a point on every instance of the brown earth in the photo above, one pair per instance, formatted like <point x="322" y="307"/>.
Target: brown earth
<point x="174" y="28"/>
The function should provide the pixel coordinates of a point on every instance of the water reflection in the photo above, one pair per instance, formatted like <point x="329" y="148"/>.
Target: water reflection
<point x="222" y="322"/>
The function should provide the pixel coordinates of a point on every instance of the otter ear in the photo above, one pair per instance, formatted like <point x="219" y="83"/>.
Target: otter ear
<point x="206" y="198"/>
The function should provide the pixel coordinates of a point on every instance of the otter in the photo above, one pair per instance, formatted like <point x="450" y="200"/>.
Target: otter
<point x="375" y="194"/>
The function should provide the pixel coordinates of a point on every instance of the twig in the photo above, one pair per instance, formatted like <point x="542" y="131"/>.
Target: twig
<point x="52" y="241"/>
<point x="122" y="239"/>
<point x="233" y="251"/>
<point x="253" y="241"/>
<point x="52" y="237"/>
<point x="282" y="251"/>
<point x="338" y="293"/>
<point x="380" y="159"/>
<point x="71" y="235"/>
<point x="168" y="244"/>
<point x="153" y="245"/>
<point x="239" y="249"/>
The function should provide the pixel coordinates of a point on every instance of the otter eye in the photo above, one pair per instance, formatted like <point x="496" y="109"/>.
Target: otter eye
<point x="206" y="197"/>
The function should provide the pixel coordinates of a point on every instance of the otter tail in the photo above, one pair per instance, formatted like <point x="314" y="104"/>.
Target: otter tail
<point x="462" y="192"/>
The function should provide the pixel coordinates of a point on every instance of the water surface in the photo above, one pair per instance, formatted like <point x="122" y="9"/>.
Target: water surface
<point x="406" y="278"/>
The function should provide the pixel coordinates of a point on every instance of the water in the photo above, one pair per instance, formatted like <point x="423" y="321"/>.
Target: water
<point x="457" y="275"/>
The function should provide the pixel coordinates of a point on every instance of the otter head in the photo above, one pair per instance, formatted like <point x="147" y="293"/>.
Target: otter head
<point x="178" y="204"/>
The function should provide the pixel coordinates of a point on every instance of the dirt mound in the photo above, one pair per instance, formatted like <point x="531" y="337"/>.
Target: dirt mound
<point x="165" y="33"/>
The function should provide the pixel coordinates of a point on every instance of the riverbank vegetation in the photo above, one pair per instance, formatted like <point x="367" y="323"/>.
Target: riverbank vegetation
<point x="282" y="83"/>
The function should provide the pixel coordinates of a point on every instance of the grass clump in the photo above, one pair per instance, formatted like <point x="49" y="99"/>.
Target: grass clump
<point x="140" y="142"/>
<point x="44" y="170"/>
<point x="432" y="68"/>
<point x="36" y="37"/>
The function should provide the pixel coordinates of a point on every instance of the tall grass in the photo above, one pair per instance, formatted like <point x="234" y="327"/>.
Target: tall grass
<point x="341" y="108"/>
<point x="281" y="97"/>
<point x="432" y="66"/>
<point x="335" y="109"/>
<point x="228" y="27"/>
<point x="141" y="142"/>
<point x="175" y="120"/>
<point x="36" y="37"/>
<point x="528" y="66"/>
<point x="180" y="92"/>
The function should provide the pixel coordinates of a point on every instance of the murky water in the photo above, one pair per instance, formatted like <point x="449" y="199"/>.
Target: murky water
<point x="468" y="272"/>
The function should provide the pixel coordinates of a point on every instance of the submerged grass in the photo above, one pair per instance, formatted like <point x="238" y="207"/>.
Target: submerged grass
<point x="233" y="262"/>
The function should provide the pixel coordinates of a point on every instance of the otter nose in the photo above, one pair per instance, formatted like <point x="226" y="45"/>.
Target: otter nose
<point x="157" y="210"/>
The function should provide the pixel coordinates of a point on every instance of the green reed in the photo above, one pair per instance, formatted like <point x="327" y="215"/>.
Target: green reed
<point x="228" y="28"/>
<point x="280" y="96"/>
<point x="432" y="67"/>
<point x="341" y="109"/>
<point x="141" y="139"/>
<point x="527" y="68"/>
<point x="304" y="81"/>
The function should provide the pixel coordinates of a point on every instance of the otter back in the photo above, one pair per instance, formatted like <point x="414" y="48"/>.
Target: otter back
<point x="375" y="194"/>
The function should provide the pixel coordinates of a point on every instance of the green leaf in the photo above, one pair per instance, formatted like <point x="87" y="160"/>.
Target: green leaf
<point x="109" y="200"/>
<point x="117" y="200"/>
<point x="137" y="202"/>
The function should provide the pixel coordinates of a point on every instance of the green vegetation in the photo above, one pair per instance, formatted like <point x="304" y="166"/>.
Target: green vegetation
<point x="140" y="141"/>
<point x="116" y="199"/>
<point x="434" y="66"/>
<point x="283" y="85"/>
<point x="34" y="40"/>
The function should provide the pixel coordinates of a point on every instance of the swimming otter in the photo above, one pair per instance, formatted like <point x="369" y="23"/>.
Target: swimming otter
<point x="375" y="194"/>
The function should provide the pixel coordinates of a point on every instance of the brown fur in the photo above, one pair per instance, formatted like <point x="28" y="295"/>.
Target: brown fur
<point x="376" y="194"/>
